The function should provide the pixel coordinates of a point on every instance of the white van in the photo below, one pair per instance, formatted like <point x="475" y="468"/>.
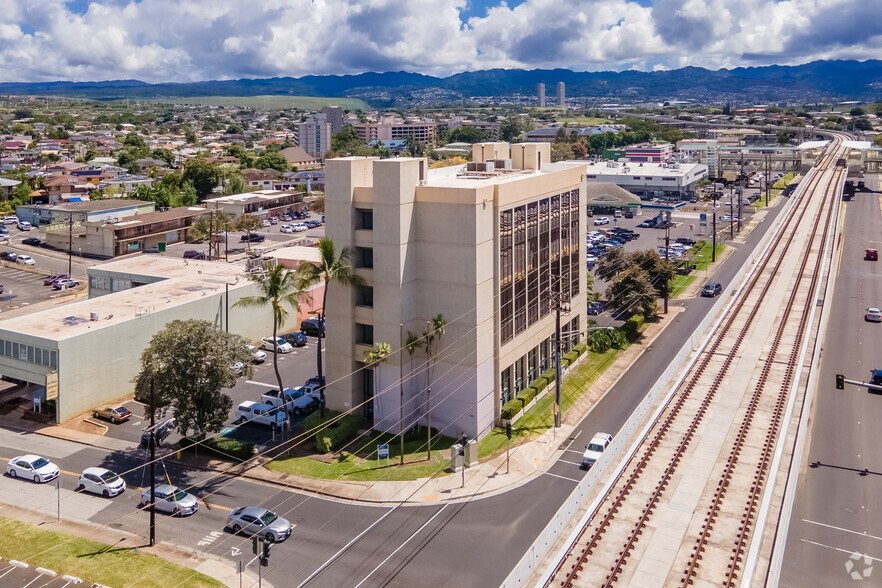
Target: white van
<point x="261" y="414"/>
<point x="617" y="214"/>
<point x="10" y="220"/>
<point x="24" y="226"/>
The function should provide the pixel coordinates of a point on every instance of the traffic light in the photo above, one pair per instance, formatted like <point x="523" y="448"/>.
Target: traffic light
<point x="840" y="382"/>
<point x="267" y="546"/>
<point x="508" y="430"/>
<point x="255" y="545"/>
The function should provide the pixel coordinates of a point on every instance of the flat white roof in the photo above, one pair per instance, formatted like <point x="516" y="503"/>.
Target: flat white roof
<point x="247" y="196"/>
<point x="185" y="281"/>
<point x="813" y="144"/>
<point x="857" y="144"/>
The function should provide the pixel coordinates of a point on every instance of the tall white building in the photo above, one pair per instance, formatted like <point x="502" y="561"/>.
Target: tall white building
<point x="540" y="93"/>
<point x="484" y="245"/>
<point x="314" y="135"/>
<point x="561" y="94"/>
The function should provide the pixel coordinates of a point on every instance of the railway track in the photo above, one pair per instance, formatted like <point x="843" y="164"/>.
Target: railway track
<point x="721" y="427"/>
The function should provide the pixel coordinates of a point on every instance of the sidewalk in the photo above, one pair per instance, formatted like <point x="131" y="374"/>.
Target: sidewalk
<point x="528" y="460"/>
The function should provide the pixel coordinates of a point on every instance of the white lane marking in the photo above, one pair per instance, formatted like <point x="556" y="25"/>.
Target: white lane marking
<point x="260" y="383"/>
<point x="848" y="551"/>
<point x="322" y="567"/>
<point x="400" y="547"/>
<point x="562" y="477"/>
<point x="574" y="451"/>
<point x="862" y="534"/>
<point x="569" y="462"/>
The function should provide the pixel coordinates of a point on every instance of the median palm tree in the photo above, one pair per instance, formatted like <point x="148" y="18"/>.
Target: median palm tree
<point x="330" y="268"/>
<point x="278" y="288"/>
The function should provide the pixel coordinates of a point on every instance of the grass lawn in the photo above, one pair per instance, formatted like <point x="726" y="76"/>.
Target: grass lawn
<point x="701" y="258"/>
<point x="271" y="101"/>
<point x="92" y="561"/>
<point x="360" y="463"/>
<point x="584" y="120"/>
<point x="539" y="418"/>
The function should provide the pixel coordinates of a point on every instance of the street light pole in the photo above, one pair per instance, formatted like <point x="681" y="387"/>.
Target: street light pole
<point x="152" y="464"/>
<point x="401" y="390"/>
<point x="70" y="245"/>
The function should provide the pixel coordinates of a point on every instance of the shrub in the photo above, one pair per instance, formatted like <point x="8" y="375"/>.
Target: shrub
<point x="618" y="339"/>
<point x="631" y="328"/>
<point x="527" y="395"/>
<point x="580" y="348"/>
<point x="569" y="357"/>
<point x="539" y="384"/>
<point x="223" y="447"/>
<point x="333" y="435"/>
<point x="549" y="376"/>
<point x="511" y="408"/>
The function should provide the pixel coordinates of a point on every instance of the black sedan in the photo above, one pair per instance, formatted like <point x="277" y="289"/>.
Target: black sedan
<point x="31" y="241"/>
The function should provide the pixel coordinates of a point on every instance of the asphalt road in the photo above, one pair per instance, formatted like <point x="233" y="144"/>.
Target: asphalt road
<point x="838" y="510"/>
<point x="469" y="544"/>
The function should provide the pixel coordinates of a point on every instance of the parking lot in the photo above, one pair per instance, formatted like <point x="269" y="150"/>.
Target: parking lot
<point x="22" y="287"/>
<point x="295" y="367"/>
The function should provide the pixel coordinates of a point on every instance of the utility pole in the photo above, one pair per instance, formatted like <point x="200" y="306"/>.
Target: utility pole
<point x="731" y="212"/>
<point x="70" y="246"/>
<point x="559" y="306"/>
<point x="152" y="464"/>
<point x="401" y="389"/>
<point x="714" y="233"/>
<point x="667" y="245"/>
<point x="741" y="195"/>
<point x="768" y="176"/>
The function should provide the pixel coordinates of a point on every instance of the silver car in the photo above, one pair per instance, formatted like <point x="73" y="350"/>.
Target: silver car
<point x="172" y="500"/>
<point x="255" y="520"/>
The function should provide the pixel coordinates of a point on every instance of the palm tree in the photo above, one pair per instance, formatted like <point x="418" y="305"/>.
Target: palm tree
<point x="330" y="268"/>
<point x="279" y="288"/>
<point x="432" y="342"/>
<point x="373" y="359"/>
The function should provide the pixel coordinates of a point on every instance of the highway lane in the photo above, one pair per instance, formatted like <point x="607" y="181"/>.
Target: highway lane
<point x="837" y="511"/>
<point x="470" y="544"/>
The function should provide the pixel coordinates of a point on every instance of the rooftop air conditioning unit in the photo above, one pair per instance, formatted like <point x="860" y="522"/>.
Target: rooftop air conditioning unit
<point x="93" y="316"/>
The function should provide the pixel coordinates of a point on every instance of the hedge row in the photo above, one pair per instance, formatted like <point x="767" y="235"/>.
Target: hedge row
<point x="527" y="395"/>
<point x="631" y="328"/>
<point x="223" y="447"/>
<point x="511" y="408"/>
<point x="334" y="435"/>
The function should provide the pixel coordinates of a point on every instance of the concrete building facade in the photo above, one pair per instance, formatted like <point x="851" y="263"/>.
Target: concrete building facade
<point x="665" y="181"/>
<point x="561" y="94"/>
<point x="540" y="94"/>
<point x="485" y="246"/>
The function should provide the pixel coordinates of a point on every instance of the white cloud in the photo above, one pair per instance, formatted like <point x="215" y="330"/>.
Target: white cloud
<point x="185" y="40"/>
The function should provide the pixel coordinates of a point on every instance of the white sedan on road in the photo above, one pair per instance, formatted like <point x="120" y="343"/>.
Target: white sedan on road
<point x="281" y="344"/>
<point x="101" y="481"/>
<point x="32" y="467"/>
<point x="25" y="259"/>
<point x="874" y="315"/>
<point x="601" y="221"/>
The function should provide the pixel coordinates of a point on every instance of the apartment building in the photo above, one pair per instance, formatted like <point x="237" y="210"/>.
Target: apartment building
<point x="540" y="94"/>
<point x="314" y="135"/>
<point x="485" y="245"/>
<point x="423" y="132"/>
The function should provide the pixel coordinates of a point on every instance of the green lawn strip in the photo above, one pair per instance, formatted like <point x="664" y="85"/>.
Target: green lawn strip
<point x="539" y="419"/>
<point x="701" y="254"/>
<point x="680" y="283"/>
<point x="363" y="466"/>
<point x="92" y="561"/>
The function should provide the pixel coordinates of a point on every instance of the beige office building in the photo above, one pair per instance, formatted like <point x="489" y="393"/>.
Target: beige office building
<point x="485" y="245"/>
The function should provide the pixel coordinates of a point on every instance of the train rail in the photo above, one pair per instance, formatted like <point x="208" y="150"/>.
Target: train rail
<point x="714" y="539"/>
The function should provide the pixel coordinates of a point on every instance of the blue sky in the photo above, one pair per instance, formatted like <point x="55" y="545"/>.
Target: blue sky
<point x="186" y="40"/>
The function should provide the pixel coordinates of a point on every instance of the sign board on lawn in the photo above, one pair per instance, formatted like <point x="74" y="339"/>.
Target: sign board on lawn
<point x="382" y="451"/>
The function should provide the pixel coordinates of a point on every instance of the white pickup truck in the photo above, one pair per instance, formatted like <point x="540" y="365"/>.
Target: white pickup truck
<point x="261" y="414"/>
<point x="599" y="443"/>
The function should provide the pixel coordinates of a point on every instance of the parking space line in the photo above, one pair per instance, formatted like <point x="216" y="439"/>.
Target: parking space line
<point x="569" y="462"/>
<point x="260" y="383"/>
<point x="859" y="533"/>
<point x="562" y="477"/>
<point x="848" y="551"/>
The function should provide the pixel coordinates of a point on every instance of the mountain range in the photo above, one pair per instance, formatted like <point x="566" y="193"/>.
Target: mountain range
<point x="810" y="82"/>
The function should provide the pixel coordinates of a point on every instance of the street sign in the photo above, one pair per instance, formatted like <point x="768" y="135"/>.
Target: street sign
<point x="383" y="451"/>
<point x="52" y="386"/>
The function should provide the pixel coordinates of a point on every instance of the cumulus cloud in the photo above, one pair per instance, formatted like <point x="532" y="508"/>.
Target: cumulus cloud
<point x="187" y="40"/>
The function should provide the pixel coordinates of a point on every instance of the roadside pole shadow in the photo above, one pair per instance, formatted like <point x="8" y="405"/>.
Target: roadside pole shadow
<point x="861" y="472"/>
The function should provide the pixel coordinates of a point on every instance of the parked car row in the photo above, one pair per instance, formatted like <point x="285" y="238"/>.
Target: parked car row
<point x="600" y="242"/>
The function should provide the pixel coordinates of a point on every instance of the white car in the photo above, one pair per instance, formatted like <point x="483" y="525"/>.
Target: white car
<point x="101" y="481"/>
<point x="299" y="227"/>
<point x="257" y="355"/>
<point x="24" y="226"/>
<point x="874" y="315"/>
<point x="601" y="221"/>
<point x="266" y="223"/>
<point x="591" y="258"/>
<point x="171" y="499"/>
<point x="599" y="443"/>
<point x="25" y="259"/>
<point x="32" y="467"/>
<point x="286" y="229"/>
<point x="282" y="345"/>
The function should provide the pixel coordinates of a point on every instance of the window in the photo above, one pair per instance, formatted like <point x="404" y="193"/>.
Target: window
<point x="364" y="219"/>
<point x="364" y="334"/>
<point x="364" y="296"/>
<point x="364" y="257"/>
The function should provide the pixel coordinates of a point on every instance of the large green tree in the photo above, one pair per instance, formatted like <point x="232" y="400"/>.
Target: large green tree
<point x="272" y="160"/>
<point x="632" y="292"/>
<point x="204" y="176"/>
<point x="280" y="289"/>
<point x="331" y="268"/>
<point x="188" y="364"/>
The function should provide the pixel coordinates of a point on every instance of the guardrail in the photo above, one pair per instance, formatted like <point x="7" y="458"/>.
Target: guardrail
<point x="538" y="551"/>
